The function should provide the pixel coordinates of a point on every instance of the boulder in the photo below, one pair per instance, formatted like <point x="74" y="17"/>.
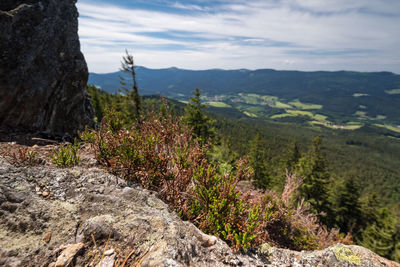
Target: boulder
<point x="43" y="74"/>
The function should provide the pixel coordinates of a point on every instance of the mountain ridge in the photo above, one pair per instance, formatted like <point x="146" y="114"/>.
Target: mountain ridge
<point x="344" y="96"/>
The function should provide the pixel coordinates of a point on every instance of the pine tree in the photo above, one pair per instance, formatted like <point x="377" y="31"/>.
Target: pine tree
<point x="370" y="209"/>
<point x="312" y="167"/>
<point x="380" y="236"/>
<point x="197" y="120"/>
<point x="292" y="157"/>
<point x="132" y="94"/>
<point x="258" y="158"/>
<point x="347" y="208"/>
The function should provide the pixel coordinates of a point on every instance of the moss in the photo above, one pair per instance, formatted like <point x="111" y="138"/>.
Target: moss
<point x="346" y="254"/>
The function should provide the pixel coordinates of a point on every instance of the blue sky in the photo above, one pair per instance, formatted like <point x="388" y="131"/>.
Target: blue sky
<point x="361" y="35"/>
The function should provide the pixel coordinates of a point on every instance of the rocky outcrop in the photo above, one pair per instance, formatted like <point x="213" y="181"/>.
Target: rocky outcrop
<point x="43" y="74"/>
<point x="84" y="216"/>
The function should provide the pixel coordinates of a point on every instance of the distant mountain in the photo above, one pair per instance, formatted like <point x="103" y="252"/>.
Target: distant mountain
<point x="342" y="96"/>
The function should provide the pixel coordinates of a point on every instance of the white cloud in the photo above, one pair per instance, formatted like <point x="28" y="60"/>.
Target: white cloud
<point x="359" y="35"/>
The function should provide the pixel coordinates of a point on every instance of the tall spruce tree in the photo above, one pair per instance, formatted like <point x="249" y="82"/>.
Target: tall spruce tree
<point x="347" y="207"/>
<point x="258" y="159"/>
<point x="381" y="236"/>
<point x="292" y="157"/>
<point x="196" y="118"/>
<point x="313" y="168"/>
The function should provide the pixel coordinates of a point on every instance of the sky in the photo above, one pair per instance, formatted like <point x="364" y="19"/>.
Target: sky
<point x="307" y="35"/>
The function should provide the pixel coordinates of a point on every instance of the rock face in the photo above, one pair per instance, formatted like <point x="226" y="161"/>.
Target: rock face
<point x="84" y="216"/>
<point x="43" y="74"/>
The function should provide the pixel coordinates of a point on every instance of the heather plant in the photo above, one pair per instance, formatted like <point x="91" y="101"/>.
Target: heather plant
<point x="161" y="154"/>
<point x="66" y="156"/>
<point x="23" y="157"/>
<point x="293" y="225"/>
<point x="216" y="206"/>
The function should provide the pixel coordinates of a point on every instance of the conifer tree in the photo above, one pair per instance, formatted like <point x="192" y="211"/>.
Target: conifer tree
<point x="380" y="236"/>
<point x="197" y="119"/>
<point x="292" y="157"/>
<point x="347" y="207"/>
<point x="312" y="167"/>
<point x="370" y="209"/>
<point x="258" y="158"/>
<point x="134" y="100"/>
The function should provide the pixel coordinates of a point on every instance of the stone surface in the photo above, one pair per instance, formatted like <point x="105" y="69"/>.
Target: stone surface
<point x="107" y="261"/>
<point x="335" y="256"/>
<point x="43" y="74"/>
<point x="89" y="206"/>
<point x="68" y="255"/>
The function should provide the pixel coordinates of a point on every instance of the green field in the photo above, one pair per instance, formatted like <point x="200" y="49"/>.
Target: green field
<point x="294" y="113"/>
<point x="284" y="115"/>
<point x="217" y="104"/>
<point x="272" y="107"/>
<point x="249" y="114"/>
<point x="361" y="114"/>
<point x="359" y="94"/>
<point x="278" y="104"/>
<point x="348" y="126"/>
<point x="389" y="127"/>
<point x="301" y="105"/>
<point x="317" y="117"/>
<point x="393" y="92"/>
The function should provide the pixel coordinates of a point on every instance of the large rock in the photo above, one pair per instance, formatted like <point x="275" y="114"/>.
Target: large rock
<point x="50" y="216"/>
<point x="43" y="74"/>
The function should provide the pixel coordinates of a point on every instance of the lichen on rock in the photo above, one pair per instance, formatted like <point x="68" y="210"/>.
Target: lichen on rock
<point x="346" y="254"/>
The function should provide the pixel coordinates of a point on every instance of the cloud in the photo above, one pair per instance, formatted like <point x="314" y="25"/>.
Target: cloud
<point x="310" y="35"/>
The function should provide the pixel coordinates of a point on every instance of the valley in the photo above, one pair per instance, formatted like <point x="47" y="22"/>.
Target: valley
<point x="340" y="100"/>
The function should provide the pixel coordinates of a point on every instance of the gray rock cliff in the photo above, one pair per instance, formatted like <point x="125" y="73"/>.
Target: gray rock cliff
<point x="43" y="73"/>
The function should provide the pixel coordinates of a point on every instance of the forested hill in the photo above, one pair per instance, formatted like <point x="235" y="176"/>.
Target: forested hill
<point x="342" y="96"/>
<point x="263" y="81"/>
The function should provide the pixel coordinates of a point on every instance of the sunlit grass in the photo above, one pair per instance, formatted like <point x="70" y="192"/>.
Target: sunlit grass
<point x="278" y="104"/>
<point x="393" y="92"/>
<point x="249" y="114"/>
<point x="359" y="94"/>
<point x="217" y="104"/>
<point x="284" y="115"/>
<point x="293" y="113"/>
<point x="389" y="127"/>
<point x="336" y="127"/>
<point x="300" y="113"/>
<point x="301" y="105"/>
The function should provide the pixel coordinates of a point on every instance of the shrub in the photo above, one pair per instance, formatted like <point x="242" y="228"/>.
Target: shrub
<point x="160" y="154"/>
<point x="66" y="156"/>
<point x="23" y="157"/>
<point x="216" y="207"/>
<point x="290" y="225"/>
